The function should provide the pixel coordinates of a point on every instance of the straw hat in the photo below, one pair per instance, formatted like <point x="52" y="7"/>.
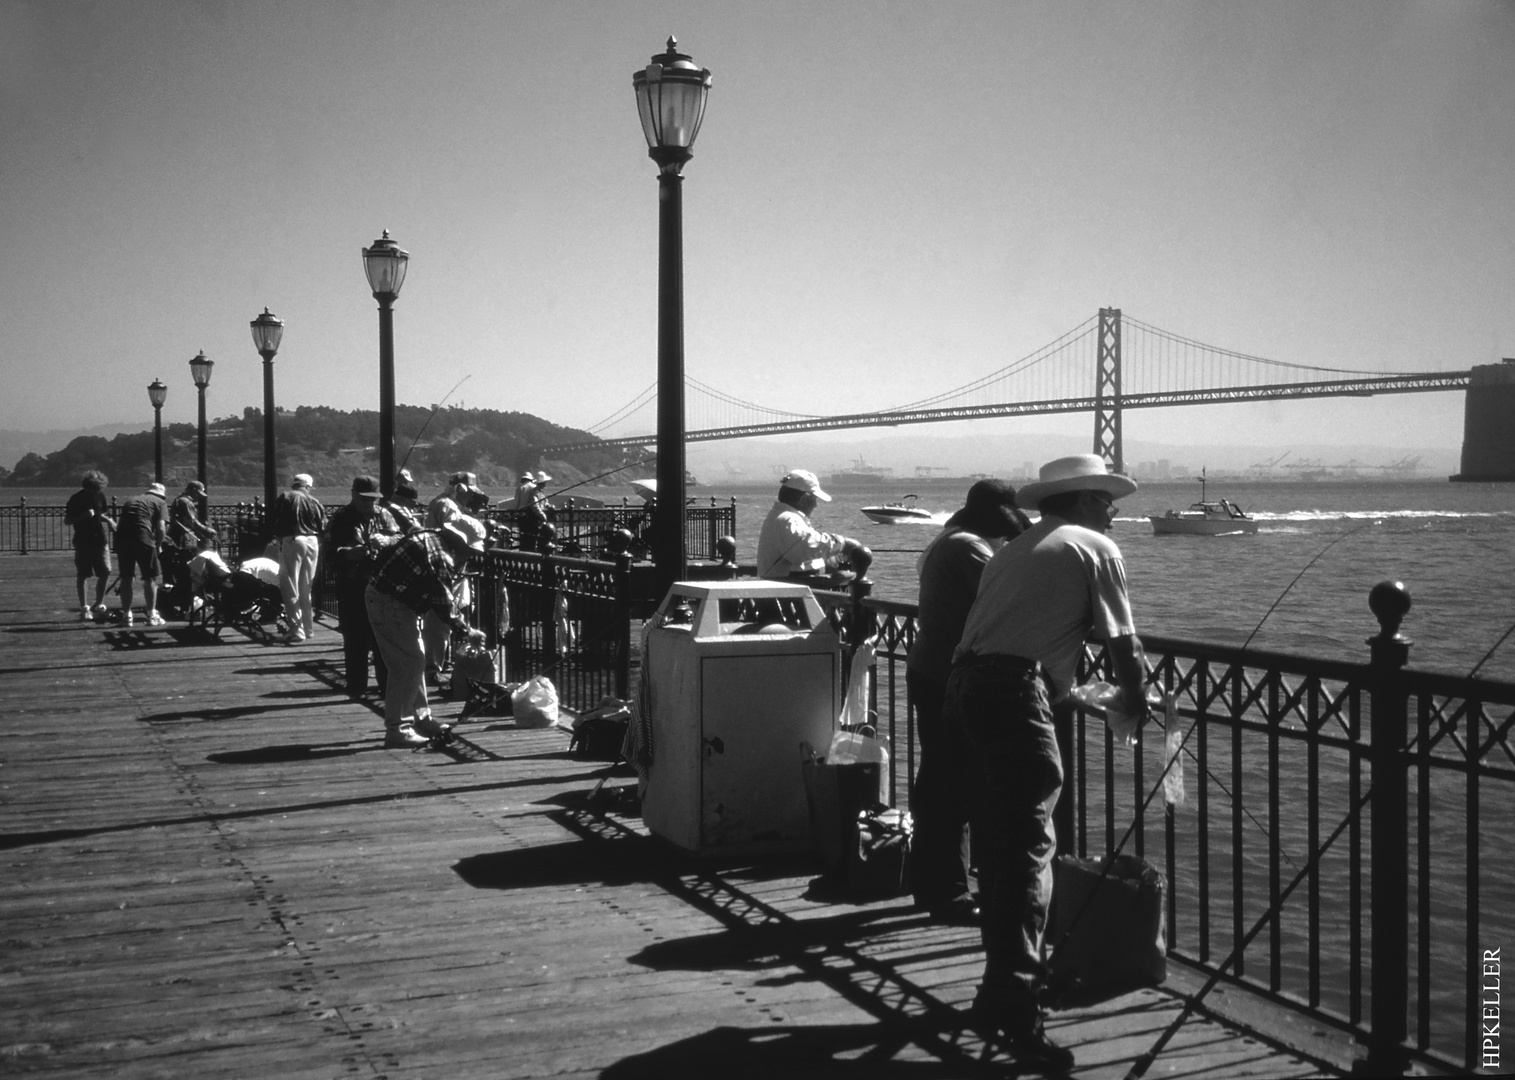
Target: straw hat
<point x="1081" y="472"/>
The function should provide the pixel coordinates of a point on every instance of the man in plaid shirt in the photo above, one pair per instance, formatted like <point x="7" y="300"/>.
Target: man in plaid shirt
<point x="413" y="576"/>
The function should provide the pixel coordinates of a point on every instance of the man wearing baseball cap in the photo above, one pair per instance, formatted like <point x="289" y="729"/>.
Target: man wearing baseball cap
<point x="411" y="577"/>
<point x="298" y="518"/>
<point x="789" y="545"/>
<point x="356" y="534"/>
<point x="1040" y="598"/>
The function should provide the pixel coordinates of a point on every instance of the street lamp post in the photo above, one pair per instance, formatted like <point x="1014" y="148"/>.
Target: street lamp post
<point x="199" y="370"/>
<point x="671" y="93"/>
<point x="267" y="332"/>
<point x="157" y="393"/>
<point x="385" y="263"/>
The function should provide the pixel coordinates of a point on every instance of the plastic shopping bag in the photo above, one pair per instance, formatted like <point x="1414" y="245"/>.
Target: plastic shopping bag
<point x="862" y="746"/>
<point x="535" y="703"/>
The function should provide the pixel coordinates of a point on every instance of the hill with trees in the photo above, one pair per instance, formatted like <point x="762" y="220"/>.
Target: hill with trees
<point x="331" y="445"/>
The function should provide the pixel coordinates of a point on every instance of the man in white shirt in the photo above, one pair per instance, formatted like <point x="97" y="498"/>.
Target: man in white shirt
<point x="789" y="544"/>
<point x="1040" y="598"/>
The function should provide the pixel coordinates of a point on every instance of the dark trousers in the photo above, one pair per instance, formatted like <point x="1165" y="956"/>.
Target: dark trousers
<point x="939" y="803"/>
<point x="357" y="639"/>
<point x="997" y="714"/>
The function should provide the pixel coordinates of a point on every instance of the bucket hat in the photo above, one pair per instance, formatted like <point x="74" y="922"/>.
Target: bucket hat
<point x="469" y="530"/>
<point x="156" y="489"/>
<point x="1080" y="472"/>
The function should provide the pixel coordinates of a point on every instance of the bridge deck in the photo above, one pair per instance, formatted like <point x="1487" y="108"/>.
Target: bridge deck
<point x="211" y="868"/>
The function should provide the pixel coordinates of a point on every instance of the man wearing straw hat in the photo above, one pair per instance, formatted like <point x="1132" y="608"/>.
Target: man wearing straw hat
<point x="1040" y="598"/>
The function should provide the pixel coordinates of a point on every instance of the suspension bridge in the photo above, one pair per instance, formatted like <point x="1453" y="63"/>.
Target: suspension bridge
<point x="1106" y="365"/>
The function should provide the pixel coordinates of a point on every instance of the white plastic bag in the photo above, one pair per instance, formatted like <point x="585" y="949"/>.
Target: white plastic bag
<point x="861" y="746"/>
<point x="535" y="703"/>
<point x="1103" y="699"/>
<point x="855" y="704"/>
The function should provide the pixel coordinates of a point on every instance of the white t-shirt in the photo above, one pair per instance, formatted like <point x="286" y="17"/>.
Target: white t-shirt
<point x="1044" y="594"/>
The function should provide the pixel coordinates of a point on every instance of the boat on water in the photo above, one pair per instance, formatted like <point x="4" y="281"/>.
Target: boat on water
<point x="1205" y="518"/>
<point x="898" y="513"/>
<point x="861" y="474"/>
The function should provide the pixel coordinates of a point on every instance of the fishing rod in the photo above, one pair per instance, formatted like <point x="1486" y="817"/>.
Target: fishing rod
<point x="1502" y="639"/>
<point x="1109" y="861"/>
<point x="434" y="410"/>
<point x="1140" y="1066"/>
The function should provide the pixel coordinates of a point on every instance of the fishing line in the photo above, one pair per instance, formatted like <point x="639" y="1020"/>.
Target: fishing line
<point x="434" y="410"/>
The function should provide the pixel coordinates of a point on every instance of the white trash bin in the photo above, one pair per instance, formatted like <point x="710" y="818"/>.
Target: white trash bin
<point x="740" y="673"/>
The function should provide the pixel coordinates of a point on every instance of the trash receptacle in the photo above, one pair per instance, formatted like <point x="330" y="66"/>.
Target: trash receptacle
<point x="740" y="673"/>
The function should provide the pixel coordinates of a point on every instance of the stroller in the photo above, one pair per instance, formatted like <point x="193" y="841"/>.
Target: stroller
<point x="239" y="599"/>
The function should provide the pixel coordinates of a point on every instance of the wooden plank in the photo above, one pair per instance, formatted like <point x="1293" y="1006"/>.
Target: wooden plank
<point x="209" y="866"/>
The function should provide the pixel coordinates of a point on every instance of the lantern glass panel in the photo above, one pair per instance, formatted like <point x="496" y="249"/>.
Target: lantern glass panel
<point x="267" y="332"/>
<point x="200" y="368"/>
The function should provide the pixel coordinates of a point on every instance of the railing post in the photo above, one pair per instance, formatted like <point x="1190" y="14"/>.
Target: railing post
<point x="23" y="526"/>
<point x="1390" y="841"/>
<point x="550" y="607"/>
<point x="622" y="579"/>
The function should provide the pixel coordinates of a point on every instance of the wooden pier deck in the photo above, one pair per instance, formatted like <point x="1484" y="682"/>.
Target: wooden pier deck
<point x="211" y="868"/>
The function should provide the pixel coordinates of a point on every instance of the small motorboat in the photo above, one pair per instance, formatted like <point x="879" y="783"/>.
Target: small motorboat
<point x="898" y="513"/>
<point x="1204" y="518"/>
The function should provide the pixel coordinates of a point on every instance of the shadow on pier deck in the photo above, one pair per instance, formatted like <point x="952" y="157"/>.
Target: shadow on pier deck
<point x="211" y="868"/>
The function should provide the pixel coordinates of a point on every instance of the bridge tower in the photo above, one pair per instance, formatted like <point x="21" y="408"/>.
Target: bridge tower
<point x="1488" y="426"/>
<point x="1107" y="391"/>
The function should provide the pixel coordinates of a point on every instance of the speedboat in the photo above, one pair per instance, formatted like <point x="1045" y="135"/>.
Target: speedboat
<point x="898" y="513"/>
<point x="1223" y="518"/>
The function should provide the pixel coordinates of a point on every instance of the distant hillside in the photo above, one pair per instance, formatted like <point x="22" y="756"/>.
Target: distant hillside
<point x="330" y="444"/>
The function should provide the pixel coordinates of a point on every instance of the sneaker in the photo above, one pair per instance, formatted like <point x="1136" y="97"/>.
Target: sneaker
<point x="126" y="618"/>
<point x="102" y="613"/>
<point x="85" y="614"/>
<point x="404" y="737"/>
<point x="154" y="619"/>
<point x="293" y="637"/>
<point x="430" y="727"/>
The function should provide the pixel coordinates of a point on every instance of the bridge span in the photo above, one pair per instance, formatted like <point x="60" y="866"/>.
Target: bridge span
<point x="1130" y="364"/>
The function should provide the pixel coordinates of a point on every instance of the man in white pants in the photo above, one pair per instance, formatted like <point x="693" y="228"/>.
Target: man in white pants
<point x="298" y="519"/>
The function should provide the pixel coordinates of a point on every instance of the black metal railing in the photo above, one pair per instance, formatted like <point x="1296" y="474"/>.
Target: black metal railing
<point x="1288" y="765"/>
<point x="566" y="618"/>
<point x="586" y="530"/>
<point x="25" y="529"/>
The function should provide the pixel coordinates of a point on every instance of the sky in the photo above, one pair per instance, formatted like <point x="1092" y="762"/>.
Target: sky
<point x="886" y="199"/>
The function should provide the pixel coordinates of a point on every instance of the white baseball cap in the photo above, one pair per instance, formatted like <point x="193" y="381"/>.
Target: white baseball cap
<point x="806" y="481"/>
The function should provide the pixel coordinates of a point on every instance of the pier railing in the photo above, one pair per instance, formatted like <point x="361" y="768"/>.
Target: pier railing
<point x="1335" y="836"/>
<point x="25" y="528"/>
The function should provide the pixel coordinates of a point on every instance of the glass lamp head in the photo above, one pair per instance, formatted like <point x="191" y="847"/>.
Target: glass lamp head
<point x="671" y="93"/>
<point x="157" y="393"/>
<point x="385" y="263"/>
<point x="267" y="332"/>
<point x="199" y="369"/>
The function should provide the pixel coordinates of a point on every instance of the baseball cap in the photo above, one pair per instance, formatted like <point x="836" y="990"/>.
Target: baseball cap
<point x="806" y="481"/>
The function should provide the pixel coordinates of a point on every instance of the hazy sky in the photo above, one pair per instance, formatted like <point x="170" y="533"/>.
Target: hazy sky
<point x="886" y="199"/>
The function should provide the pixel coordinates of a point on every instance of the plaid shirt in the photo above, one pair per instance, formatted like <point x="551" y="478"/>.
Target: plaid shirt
<point x="418" y="572"/>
